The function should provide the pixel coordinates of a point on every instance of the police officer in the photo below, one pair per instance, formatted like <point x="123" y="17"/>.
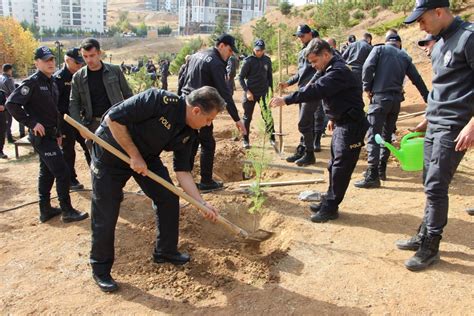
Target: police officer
<point x="345" y="109"/>
<point x="143" y="127"/>
<point x="232" y="66"/>
<point x="383" y="76"/>
<point x="356" y="54"/>
<point x="256" y="77"/>
<point x="164" y="73"/>
<point x="72" y="62"/>
<point x="34" y="103"/>
<point x="304" y="154"/>
<point x="427" y="43"/>
<point x="208" y="68"/>
<point x="449" y="121"/>
<point x="3" y="123"/>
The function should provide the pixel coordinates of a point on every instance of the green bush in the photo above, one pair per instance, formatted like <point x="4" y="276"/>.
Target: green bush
<point x="358" y="15"/>
<point x="285" y="7"/>
<point x="381" y="29"/>
<point x="373" y="13"/>
<point x="164" y="30"/>
<point x="188" y="49"/>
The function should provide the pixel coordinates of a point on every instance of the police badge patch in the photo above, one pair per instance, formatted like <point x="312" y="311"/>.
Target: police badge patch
<point x="25" y="90"/>
<point x="186" y="139"/>
<point x="447" y="58"/>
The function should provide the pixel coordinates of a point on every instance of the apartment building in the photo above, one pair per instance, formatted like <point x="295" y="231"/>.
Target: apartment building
<point x="196" y="16"/>
<point x="170" y="6"/>
<point x="85" y="15"/>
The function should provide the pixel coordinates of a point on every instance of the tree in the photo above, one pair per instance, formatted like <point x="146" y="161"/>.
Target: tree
<point x="263" y="29"/>
<point x="285" y="7"/>
<point x="402" y="5"/>
<point x="17" y="45"/>
<point x="142" y="29"/>
<point x="219" y="30"/>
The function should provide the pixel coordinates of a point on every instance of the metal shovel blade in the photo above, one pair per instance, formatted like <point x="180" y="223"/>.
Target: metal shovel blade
<point x="258" y="236"/>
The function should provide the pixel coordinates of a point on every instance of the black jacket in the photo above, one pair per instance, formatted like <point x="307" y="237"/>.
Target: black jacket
<point x="256" y="75"/>
<point x="63" y="78"/>
<point x="305" y="70"/>
<point x="338" y="88"/>
<point x="207" y="68"/>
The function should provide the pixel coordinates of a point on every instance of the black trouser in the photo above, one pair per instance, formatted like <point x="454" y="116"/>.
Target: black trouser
<point x="9" y="120"/>
<point x="346" y="143"/>
<point x="109" y="176"/>
<point x="306" y="123"/>
<point x="52" y="166"/>
<point x="440" y="163"/>
<point x="70" y="135"/>
<point x="231" y="84"/>
<point x="382" y="116"/>
<point x="208" y="149"/>
<point x="320" y="120"/>
<point x="164" y="82"/>
<point x="3" y="129"/>
<point x="93" y="126"/>
<point x="249" y="107"/>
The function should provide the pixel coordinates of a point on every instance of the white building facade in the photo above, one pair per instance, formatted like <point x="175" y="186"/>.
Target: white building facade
<point x="85" y="15"/>
<point x="201" y="15"/>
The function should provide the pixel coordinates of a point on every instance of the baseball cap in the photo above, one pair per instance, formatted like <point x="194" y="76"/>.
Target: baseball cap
<point x="421" y="6"/>
<point x="259" y="44"/>
<point x="75" y="54"/>
<point x="43" y="53"/>
<point x="228" y="40"/>
<point x="315" y="33"/>
<point x="302" y="29"/>
<point x="428" y="38"/>
<point x="351" y="38"/>
<point x="393" y="38"/>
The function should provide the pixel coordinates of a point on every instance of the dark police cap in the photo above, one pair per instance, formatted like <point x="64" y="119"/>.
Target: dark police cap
<point x="351" y="39"/>
<point x="393" y="38"/>
<point x="421" y="6"/>
<point x="75" y="54"/>
<point x="43" y="53"/>
<point x="228" y="40"/>
<point x="259" y="44"/>
<point x="302" y="29"/>
<point x="428" y="38"/>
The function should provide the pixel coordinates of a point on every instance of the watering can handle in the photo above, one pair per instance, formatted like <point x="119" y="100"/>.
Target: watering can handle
<point x="410" y="136"/>
<point x="379" y="140"/>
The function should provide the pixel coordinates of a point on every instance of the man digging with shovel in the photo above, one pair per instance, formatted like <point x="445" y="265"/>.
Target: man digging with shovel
<point x="143" y="126"/>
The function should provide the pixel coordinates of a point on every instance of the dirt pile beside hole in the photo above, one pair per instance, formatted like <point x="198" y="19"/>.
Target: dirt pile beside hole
<point x="228" y="161"/>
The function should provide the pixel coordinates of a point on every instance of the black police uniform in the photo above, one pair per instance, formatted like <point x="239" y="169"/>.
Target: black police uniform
<point x="450" y="107"/>
<point x="231" y="68"/>
<point x="63" y="79"/>
<point x="355" y="56"/>
<point x="164" y="72"/>
<point x="383" y="75"/>
<point x="156" y="121"/>
<point x="343" y="104"/>
<point x="306" y="122"/>
<point x="207" y="68"/>
<point x="34" y="101"/>
<point x="256" y="76"/>
<point x="3" y="123"/>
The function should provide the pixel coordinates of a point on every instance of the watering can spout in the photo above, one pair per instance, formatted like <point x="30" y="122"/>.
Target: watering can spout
<point x="394" y="150"/>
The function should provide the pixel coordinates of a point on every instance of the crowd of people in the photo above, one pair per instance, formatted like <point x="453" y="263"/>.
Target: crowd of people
<point x="330" y="89"/>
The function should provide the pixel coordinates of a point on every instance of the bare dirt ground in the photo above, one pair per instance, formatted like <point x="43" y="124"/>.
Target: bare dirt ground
<point x="348" y="266"/>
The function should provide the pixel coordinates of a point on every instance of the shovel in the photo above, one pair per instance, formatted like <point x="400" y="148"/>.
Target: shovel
<point x="280" y="148"/>
<point x="258" y="236"/>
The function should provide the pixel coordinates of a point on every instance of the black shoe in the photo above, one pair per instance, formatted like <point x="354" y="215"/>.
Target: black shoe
<point x="297" y="155"/>
<point x="322" y="216"/>
<point x="3" y="156"/>
<point x="371" y="179"/>
<point x="106" y="283"/>
<point x="76" y="185"/>
<point x="246" y="144"/>
<point x="10" y="139"/>
<point x="414" y="242"/>
<point x="383" y="171"/>
<point x="470" y="211"/>
<point x="72" y="215"/>
<point x="176" y="258"/>
<point x="315" y="207"/>
<point x="47" y="211"/>
<point x="317" y="143"/>
<point x="307" y="159"/>
<point x="427" y="254"/>
<point x="213" y="185"/>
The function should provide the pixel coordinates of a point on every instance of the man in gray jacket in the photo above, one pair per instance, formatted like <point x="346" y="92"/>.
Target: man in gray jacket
<point x="96" y="87"/>
<point x="356" y="54"/>
<point x="383" y="75"/>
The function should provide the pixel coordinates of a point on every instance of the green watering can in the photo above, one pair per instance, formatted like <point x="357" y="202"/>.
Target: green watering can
<point x="410" y="153"/>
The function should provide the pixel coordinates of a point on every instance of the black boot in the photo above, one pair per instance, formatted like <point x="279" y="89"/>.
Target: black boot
<point x="72" y="215"/>
<point x="176" y="258"/>
<point x="371" y="179"/>
<point x="383" y="170"/>
<point x="470" y="211"/>
<point x="324" y="215"/>
<point x="307" y="159"/>
<point x="414" y="242"/>
<point x="47" y="211"/>
<point x="297" y="155"/>
<point x="427" y="254"/>
<point x="105" y="282"/>
<point x="317" y="142"/>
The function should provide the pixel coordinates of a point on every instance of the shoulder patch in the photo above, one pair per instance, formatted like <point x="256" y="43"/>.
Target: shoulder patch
<point x="25" y="90"/>
<point x="169" y="98"/>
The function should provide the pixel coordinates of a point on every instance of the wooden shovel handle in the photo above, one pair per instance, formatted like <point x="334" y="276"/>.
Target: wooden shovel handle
<point x="201" y="207"/>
